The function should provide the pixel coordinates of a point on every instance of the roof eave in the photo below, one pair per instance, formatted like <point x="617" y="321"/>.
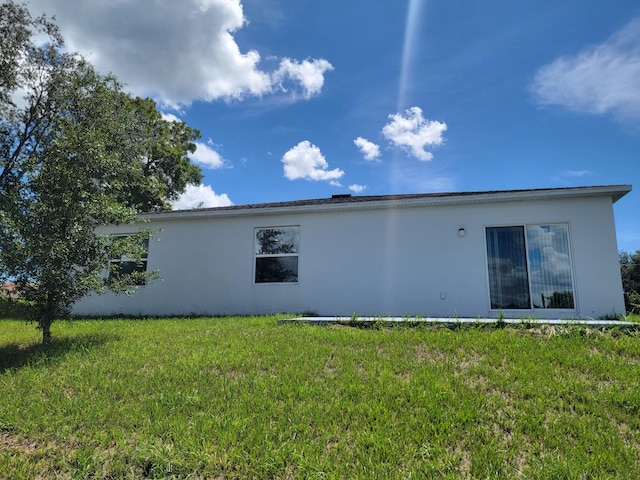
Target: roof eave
<point x="615" y="192"/>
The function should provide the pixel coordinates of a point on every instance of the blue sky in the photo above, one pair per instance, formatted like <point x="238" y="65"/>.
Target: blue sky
<point x="303" y="99"/>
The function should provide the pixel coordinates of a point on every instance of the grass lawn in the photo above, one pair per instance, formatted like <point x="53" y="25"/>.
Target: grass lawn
<point x="252" y="398"/>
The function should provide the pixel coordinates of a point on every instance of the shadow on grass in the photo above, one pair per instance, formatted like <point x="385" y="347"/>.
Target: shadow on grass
<point x="15" y="356"/>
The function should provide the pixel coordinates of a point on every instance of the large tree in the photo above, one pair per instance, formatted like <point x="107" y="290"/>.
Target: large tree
<point x="76" y="152"/>
<point x="630" y="270"/>
<point x="162" y="169"/>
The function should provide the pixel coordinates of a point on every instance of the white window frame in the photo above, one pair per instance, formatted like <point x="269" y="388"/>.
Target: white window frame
<point x="258" y="255"/>
<point x="532" y="308"/>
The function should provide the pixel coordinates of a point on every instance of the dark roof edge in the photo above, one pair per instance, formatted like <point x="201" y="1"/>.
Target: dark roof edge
<point x="344" y="202"/>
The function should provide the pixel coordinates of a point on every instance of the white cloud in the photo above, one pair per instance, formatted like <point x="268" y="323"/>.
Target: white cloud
<point x="170" y="117"/>
<point x="357" y="188"/>
<point x="206" y="156"/>
<point x="579" y="173"/>
<point x="414" y="133"/>
<point x="177" y="52"/>
<point x="568" y="177"/>
<point x="306" y="161"/>
<point x="310" y="75"/>
<point x="601" y="79"/>
<point x="201" y="196"/>
<point x="370" y="150"/>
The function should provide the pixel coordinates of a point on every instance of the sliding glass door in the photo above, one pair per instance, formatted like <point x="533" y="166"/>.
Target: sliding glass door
<point x="529" y="267"/>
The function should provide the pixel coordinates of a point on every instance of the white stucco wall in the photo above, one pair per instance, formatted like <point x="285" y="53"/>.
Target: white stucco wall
<point x="391" y="261"/>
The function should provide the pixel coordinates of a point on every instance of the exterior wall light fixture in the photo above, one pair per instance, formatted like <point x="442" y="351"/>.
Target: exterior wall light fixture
<point x="461" y="232"/>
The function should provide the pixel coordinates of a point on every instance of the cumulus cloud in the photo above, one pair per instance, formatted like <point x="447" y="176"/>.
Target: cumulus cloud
<point x="306" y="161"/>
<point x="201" y="196"/>
<point x="178" y="52"/>
<point x="308" y="73"/>
<point x="170" y="117"/>
<point x="413" y="133"/>
<point x="370" y="150"/>
<point x="355" y="188"/>
<point x="206" y="156"/>
<point x="600" y="79"/>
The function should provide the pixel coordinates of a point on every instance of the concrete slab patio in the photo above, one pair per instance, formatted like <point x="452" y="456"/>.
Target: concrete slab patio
<point x="453" y="322"/>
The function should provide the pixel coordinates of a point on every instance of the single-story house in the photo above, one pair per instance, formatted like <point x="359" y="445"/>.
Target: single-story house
<point x="8" y="290"/>
<point x="541" y="253"/>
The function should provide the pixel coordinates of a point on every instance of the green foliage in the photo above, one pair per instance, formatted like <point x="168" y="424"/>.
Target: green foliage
<point x="13" y="308"/>
<point x="251" y="398"/>
<point x="162" y="169"/>
<point x="76" y="152"/>
<point x="563" y="299"/>
<point x="630" y="270"/>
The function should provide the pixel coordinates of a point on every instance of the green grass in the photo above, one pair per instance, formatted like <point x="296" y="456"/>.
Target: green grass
<point x="252" y="398"/>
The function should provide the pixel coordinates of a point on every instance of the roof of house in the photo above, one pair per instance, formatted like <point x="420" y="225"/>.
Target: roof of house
<point x="347" y="201"/>
<point x="8" y="290"/>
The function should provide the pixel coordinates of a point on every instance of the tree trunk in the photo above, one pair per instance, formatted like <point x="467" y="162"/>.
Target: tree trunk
<point x="46" y="331"/>
<point x="47" y="319"/>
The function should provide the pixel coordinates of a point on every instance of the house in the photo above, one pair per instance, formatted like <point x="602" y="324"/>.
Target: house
<point x="544" y="253"/>
<point x="8" y="291"/>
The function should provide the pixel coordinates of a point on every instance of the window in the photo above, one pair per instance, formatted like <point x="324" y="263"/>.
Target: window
<point x="276" y="252"/>
<point x="133" y="260"/>
<point x="529" y="267"/>
<point x="507" y="263"/>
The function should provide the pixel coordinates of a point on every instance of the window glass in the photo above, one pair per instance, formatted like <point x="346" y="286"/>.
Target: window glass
<point x="529" y="267"/>
<point x="128" y="267"/>
<point x="507" y="263"/>
<point x="276" y="250"/>
<point x="276" y="269"/>
<point x="130" y="263"/>
<point x="271" y="241"/>
<point x="550" y="266"/>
